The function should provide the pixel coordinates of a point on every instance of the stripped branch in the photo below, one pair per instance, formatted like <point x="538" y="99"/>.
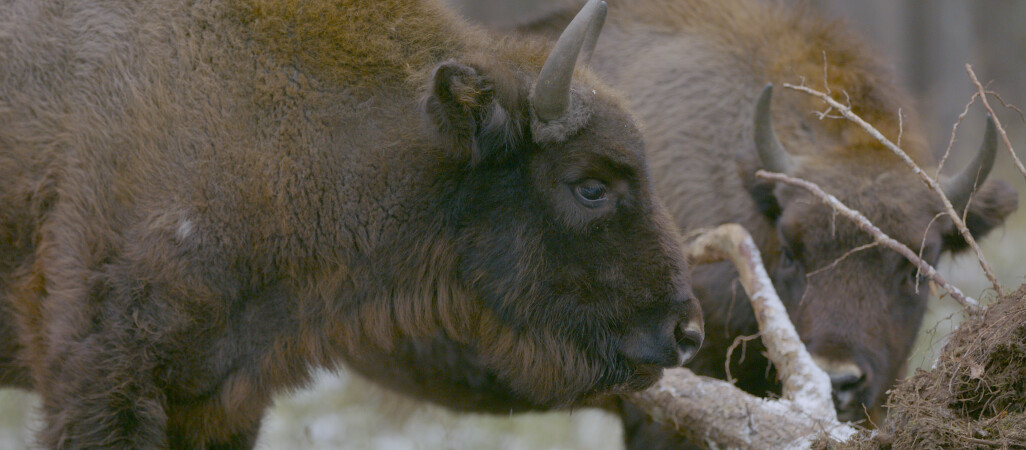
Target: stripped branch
<point x="1004" y="136"/>
<point x="716" y="412"/>
<point x="879" y="236"/>
<point x="929" y="181"/>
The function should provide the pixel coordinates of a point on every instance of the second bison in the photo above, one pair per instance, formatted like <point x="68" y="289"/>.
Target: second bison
<point x="696" y="71"/>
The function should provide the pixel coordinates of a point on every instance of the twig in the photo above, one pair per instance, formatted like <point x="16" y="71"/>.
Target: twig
<point x="922" y="246"/>
<point x="901" y="126"/>
<point x="954" y="129"/>
<point x="741" y="340"/>
<point x="997" y="123"/>
<point x="863" y="223"/>
<point x="930" y="182"/>
<point x="1010" y="106"/>
<point x="842" y="258"/>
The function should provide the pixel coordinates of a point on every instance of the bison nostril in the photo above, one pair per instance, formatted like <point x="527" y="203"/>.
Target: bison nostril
<point x="689" y="340"/>
<point x="846" y="386"/>
<point x="846" y="381"/>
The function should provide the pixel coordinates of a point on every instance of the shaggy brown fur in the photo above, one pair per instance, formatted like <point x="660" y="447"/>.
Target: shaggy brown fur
<point x="693" y="70"/>
<point x="201" y="201"/>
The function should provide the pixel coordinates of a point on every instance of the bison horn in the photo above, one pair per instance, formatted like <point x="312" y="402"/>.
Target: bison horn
<point x="551" y="95"/>
<point x="771" y="152"/>
<point x="961" y="186"/>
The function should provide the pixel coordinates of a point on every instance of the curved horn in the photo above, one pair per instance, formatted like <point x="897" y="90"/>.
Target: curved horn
<point x="551" y="95"/>
<point x="771" y="152"/>
<point x="960" y="187"/>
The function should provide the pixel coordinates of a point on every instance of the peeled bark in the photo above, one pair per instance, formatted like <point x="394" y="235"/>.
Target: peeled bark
<point x="716" y="413"/>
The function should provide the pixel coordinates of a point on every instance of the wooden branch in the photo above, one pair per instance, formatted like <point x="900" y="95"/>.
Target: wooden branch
<point x="716" y="413"/>
<point x="1004" y="136"/>
<point x="879" y="236"/>
<point x="929" y="181"/>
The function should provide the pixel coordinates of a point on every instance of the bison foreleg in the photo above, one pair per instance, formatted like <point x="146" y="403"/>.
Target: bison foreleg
<point x="243" y="439"/>
<point x="98" y="380"/>
<point x="98" y="396"/>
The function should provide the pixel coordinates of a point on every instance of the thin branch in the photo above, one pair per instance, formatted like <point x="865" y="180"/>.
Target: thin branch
<point x="997" y="123"/>
<point x="901" y="126"/>
<point x="1012" y="107"/>
<point x="954" y="129"/>
<point x="930" y="182"/>
<point x="741" y="340"/>
<point x="922" y="247"/>
<point x="863" y="223"/>
<point x="842" y="257"/>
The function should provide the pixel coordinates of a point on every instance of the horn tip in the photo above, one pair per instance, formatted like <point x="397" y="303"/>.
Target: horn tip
<point x="599" y="6"/>
<point x="990" y="135"/>
<point x="765" y="97"/>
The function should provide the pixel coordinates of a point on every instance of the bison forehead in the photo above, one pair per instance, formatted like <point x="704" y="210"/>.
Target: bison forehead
<point x="897" y="203"/>
<point x="611" y="134"/>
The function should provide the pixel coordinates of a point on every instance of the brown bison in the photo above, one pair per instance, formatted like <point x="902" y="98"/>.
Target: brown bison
<point x="200" y="202"/>
<point x="696" y="71"/>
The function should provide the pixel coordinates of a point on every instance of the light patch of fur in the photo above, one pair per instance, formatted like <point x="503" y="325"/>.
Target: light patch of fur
<point x="185" y="228"/>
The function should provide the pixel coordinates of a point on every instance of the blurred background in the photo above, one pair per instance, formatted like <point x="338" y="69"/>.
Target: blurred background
<point x="929" y="43"/>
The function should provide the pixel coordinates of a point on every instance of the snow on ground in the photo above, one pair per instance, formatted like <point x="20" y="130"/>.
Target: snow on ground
<point x="345" y="412"/>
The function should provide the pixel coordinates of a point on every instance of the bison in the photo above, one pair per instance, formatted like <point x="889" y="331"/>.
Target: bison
<point x="696" y="72"/>
<point x="200" y="202"/>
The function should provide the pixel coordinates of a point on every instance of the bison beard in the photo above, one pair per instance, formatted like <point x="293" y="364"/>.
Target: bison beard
<point x="202" y="201"/>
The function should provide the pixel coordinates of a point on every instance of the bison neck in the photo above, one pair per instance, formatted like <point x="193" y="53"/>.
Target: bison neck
<point x="350" y="222"/>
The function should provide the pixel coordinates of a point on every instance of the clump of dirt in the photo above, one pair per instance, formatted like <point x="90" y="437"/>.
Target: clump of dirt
<point x="975" y="397"/>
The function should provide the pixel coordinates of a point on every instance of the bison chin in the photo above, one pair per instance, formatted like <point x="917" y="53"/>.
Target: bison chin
<point x="508" y="371"/>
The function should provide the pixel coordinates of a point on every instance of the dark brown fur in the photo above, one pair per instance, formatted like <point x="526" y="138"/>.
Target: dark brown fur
<point x="693" y="69"/>
<point x="202" y="201"/>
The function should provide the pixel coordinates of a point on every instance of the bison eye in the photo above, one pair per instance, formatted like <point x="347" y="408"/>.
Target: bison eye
<point x="591" y="193"/>
<point x="786" y="258"/>
<point x="915" y="277"/>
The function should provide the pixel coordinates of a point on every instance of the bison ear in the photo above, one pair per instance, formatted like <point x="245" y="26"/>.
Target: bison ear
<point x="761" y="191"/>
<point x="466" y="112"/>
<point x="988" y="209"/>
<point x="765" y="200"/>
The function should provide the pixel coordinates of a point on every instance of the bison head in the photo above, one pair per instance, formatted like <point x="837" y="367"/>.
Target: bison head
<point x="573" y="262"/>
<point x="858" y="307"/>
